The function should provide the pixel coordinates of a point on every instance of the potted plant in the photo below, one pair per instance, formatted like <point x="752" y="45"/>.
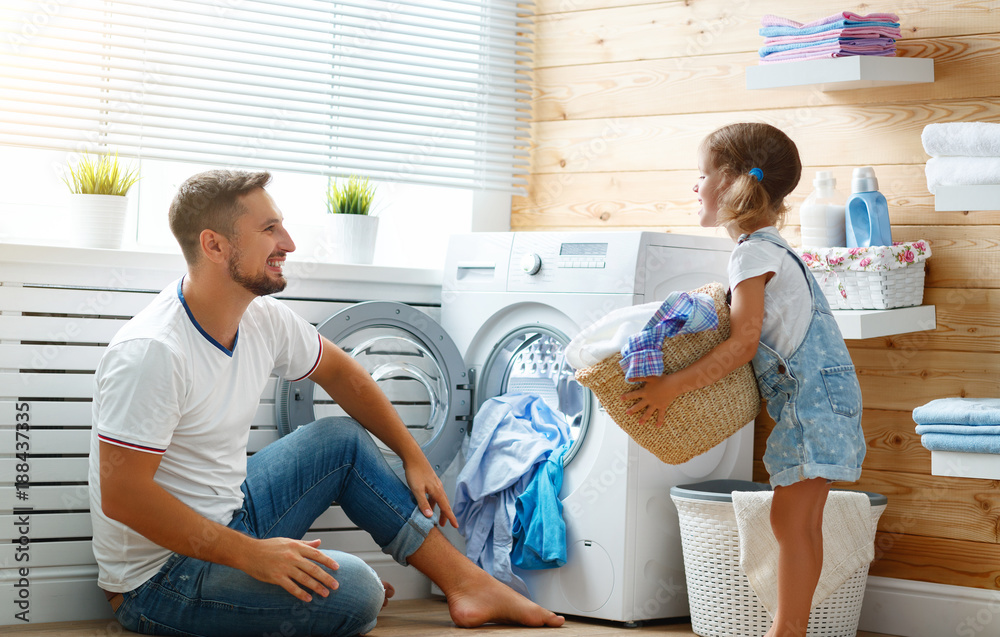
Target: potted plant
<point x="98" y="202"/>
<point x="353" y="227"/>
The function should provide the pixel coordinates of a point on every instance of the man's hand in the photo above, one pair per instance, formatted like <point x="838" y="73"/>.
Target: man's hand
<point x="428" y="489"/>
<point x="293" y="565"/>
<point x="655" y="395"/>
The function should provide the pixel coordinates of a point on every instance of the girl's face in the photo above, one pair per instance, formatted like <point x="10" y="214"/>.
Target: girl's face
<point x="710" y="186"/>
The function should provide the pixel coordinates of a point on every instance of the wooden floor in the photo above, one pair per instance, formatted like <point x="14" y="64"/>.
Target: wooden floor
<point x="412" y="618"/>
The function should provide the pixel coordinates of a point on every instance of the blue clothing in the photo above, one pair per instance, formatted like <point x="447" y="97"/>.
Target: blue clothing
<point x="289" y="484"/>
<point x="511" y="434"/>
<point x="959" y="411"/>
<point x="813" y="396"/>
<point x="681" y="313"/>
<point x="539" y="528"/>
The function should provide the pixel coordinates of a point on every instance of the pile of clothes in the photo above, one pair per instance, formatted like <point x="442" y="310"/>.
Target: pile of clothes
<point x="962" y="154"/>
<point x="507" y="495"/>
<point x="970" y="425"/>
<point x="840" y="35"/>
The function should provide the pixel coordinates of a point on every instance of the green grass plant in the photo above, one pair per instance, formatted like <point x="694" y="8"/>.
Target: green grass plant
<point x="102" y="175"/>
<point x="351" y="198"/>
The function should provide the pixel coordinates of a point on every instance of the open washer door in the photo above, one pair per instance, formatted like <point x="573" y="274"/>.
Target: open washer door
<point x="413" y="361"/>
<point x="531" y="359"/>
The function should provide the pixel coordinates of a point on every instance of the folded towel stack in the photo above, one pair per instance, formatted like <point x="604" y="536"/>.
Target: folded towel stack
<point x="840" y="35"/>
<point x="962" y="154"/>
<point x="970" y="425"/>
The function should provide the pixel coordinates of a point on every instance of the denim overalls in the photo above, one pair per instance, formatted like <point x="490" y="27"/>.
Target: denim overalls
<point x="813" y="396"/>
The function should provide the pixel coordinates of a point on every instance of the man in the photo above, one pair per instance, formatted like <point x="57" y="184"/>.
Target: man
<point x="191" y="536"/>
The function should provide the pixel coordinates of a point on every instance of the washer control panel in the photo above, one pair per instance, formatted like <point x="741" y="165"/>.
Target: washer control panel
<point x="573" y="262"/>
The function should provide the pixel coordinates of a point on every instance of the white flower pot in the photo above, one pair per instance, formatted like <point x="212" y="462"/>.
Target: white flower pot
<point x="97" y="221"/>
<point x="351" y="238"/>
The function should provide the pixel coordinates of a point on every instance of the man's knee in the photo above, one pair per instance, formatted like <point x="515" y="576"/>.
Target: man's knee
<point x="334" y="428"/>
<point x="359" y="591"/>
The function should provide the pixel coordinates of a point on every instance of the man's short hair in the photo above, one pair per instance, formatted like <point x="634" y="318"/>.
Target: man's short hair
<point x="210" y="201"/>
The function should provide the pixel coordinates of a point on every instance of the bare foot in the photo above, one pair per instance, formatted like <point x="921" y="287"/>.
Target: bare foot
<point x="389" y="592"/>
<point x="485" y="600"/>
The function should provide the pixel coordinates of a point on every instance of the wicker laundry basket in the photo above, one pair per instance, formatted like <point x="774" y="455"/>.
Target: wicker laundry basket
<point x="698" y="420"/>
<point x="721" y="600"/>
<point x="871" y="278"/>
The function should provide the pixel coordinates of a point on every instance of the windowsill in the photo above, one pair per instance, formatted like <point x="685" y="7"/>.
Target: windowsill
<point x="150" y="259"/>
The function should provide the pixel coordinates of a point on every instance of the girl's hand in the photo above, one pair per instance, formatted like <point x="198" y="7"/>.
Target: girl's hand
<point x="654" y="396"/>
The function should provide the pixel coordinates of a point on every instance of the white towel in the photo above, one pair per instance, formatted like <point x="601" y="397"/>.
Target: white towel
<point x="848" y="542"/>
<point x="608" y="335"/>
<point x="962" y="139"/>
<point x="961" y="171"/>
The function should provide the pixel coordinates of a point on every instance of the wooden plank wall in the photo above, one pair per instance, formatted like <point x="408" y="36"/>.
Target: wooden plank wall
<point x="625" y="90"/>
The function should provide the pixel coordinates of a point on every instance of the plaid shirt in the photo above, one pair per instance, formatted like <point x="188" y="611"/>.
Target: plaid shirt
<point x="681" y="313"/>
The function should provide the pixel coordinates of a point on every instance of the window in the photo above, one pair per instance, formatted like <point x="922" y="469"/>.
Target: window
<point x="426" y="97"/>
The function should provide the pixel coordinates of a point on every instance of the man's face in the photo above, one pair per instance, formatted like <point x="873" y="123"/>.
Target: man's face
<point x="260" y="243"/>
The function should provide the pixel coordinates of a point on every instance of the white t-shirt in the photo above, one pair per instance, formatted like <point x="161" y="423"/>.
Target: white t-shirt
<point x="164" y="386"/>
<point x="787" y="311"/>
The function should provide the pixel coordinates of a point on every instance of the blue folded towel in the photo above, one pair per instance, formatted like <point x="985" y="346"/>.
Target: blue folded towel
<point x="959" y="430"/>
<point x="959" y="411"/>
<point x="776" y="31"/>
<point x="963" y="443"/>
<point x="845" y="44"/>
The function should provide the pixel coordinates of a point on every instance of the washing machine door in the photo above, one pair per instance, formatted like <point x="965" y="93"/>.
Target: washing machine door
<point x="414" y="362"/>
<point x="531" y="359"/>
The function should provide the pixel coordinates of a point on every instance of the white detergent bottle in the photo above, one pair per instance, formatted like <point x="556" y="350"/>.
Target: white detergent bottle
<point x="822" y="214"/>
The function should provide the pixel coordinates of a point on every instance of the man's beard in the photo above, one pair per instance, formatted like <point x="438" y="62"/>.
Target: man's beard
<point x="259" y="284"/>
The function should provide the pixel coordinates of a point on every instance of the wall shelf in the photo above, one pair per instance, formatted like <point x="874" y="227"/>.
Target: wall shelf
<point x="841" y="74"/>
<point x="965" y="465"/>
<point x="858" y="324"/>
<point x="965" y="198"/>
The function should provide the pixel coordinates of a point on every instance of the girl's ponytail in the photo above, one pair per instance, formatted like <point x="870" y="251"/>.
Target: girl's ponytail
<point x="762" y="166"/>
<point x="748" y="203"/>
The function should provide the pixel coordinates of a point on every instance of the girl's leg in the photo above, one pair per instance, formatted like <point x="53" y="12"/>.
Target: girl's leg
<point x="797" y="521"/>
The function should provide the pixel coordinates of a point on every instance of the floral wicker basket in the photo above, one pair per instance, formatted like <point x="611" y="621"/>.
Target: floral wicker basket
<point x="697" y="420"/>
<point x="871" y="278"/>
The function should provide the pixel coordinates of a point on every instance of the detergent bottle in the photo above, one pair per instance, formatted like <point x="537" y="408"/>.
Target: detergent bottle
<point x="867" y="214"/>
<point x="822" y="214"/>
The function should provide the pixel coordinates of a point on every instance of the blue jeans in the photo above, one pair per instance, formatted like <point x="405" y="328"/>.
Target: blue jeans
<point x="289" y="484"/>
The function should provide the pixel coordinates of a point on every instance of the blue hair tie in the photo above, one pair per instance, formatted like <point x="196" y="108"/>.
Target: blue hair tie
<point x="757" y="173"/>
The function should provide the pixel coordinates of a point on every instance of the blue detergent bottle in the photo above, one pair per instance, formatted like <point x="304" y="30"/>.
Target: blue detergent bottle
<point x="866" y="217"/>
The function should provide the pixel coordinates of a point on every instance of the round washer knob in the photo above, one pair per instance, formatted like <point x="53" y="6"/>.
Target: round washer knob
<point x="531" y="263"/>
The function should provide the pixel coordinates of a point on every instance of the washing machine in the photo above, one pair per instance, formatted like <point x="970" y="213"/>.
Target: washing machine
<point x="510" y="303"/>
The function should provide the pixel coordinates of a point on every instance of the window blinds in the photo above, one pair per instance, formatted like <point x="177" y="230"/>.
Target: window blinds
<point x="419" y="91"/>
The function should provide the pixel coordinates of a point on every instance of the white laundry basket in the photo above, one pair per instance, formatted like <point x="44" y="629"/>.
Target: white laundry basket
<point x="722" y="602"/>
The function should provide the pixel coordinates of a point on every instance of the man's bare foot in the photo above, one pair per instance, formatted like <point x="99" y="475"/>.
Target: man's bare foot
<point x="389" y="592"/>
<point x="485" y="600"/>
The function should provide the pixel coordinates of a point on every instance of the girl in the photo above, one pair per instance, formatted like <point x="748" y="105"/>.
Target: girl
<point x="782" y="322"/>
